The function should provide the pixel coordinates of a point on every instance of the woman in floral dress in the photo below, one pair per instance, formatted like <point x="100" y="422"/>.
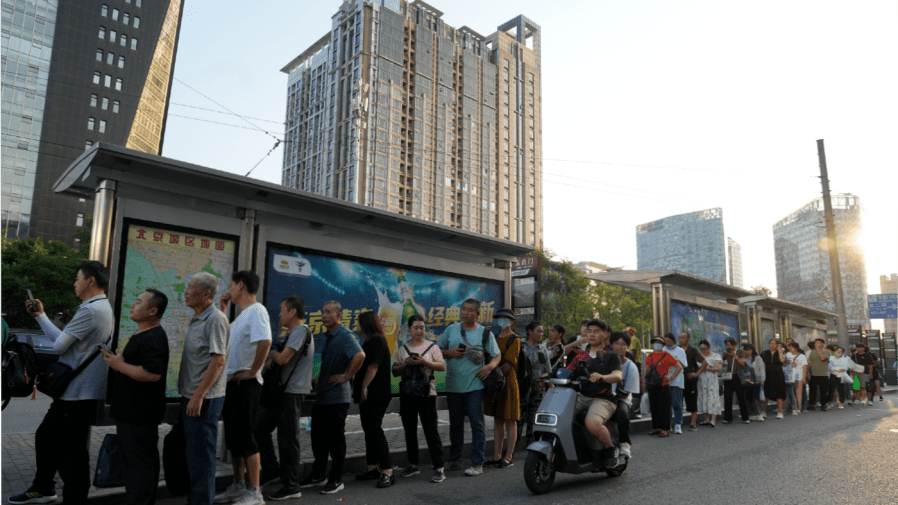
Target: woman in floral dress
<point x="708" y="389"/>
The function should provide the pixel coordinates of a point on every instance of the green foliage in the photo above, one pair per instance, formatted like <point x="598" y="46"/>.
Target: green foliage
<point x="568" y="297"/>
<point x="762" y="290"/>
<point x="47" y="269"/>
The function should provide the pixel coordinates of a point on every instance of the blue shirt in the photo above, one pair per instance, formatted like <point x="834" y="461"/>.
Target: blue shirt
<point x="461" y="372"/>
<point x="338" y="348"/>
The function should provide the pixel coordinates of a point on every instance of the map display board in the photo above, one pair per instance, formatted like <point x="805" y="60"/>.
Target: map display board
<point x="164" y="259"/>
<point x="703" y="324"/>
<point x="392" y="292"/>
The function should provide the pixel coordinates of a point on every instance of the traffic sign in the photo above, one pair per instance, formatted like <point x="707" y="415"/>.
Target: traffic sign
<point x="883" y="306"/>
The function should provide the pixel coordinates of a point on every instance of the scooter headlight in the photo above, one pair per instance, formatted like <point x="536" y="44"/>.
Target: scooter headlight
<point x="546" y="419"/>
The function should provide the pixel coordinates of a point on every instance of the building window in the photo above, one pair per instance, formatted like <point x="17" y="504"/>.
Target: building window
<point x="137" y="3"/>
<point x="105" y="103"/>
<point x="110" y="58"/>
<point x="115" y="105"/>
<point x="121" y="64"/>
<point x="134" y="44"/>
<point x="102" y="32"/>
<point x="112" y="35"/>
<point x="107" y="81"/>
<point x="93" y="100"/>
<point x="90" y="123"/>
<point x="104" y="10"/>
<point x="88" y="144"/>
<point x="118" y="84"/>
<point x="102" y="126"/>
<point x="96" y="78"/>
<point x="506" y="63"/>
<point x="136" y="22"/>
<point x="124" y="40"/>
<point x="126" y="18"/>
<point x="79" y="220"/>
<point x="99" y="55"/>
<point x="115" y="14"/>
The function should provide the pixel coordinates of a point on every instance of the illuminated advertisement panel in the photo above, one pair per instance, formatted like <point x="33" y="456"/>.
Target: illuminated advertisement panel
<point x="393" y="292"/>
<point x="703" y="324"/>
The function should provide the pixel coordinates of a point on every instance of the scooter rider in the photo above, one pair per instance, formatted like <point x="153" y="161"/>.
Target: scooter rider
<point x="604" y="370"/>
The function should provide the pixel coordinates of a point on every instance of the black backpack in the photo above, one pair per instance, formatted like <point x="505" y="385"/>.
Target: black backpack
<point x="653" y="378"/>
<point x="20" y="374"/>
<point x="415" y="381"/>
<point x="524" y="371"/>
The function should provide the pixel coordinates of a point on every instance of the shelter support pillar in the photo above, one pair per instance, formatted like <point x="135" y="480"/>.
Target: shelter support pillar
<point x="101" y="231"/>
<point x="753" y="326"/>
<point x="660" y="309"/>
<point x="785" y="323"/>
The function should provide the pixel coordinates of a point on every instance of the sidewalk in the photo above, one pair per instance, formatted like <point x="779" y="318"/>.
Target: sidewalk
<point x="18" y="460"/>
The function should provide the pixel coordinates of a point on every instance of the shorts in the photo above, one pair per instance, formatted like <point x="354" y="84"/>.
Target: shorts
<point x="240" y="412"/>
<point x="600" y="410"/>
<point x="690" y="394"/>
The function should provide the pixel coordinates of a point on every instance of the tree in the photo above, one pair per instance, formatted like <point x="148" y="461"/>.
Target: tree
<point x="568" y="297"/>
<point x="47" y="269"/>
<point x="760" y="289"/>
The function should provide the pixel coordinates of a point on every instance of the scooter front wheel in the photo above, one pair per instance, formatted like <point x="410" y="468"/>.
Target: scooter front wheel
<point x="539" y="473"/>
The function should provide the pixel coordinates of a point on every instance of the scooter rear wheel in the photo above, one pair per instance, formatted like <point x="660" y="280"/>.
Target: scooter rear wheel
<point x="539" y="473"/>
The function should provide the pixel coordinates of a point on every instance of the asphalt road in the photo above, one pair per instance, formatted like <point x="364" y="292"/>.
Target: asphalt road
<point x="840" y="457"/>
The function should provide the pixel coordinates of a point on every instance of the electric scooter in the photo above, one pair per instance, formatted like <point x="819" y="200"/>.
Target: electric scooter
<point x="562" y="442"/>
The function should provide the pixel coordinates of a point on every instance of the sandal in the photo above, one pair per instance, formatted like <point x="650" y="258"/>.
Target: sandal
<point x="505" y="463"/>
<point x="664" y="433"/>
<point x="655" y="432"/>
<point x="492" y="462"/>
<point x="705" y="423"/>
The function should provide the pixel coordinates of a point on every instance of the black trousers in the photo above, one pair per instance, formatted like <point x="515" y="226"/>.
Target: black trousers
<point x="62" y="443"/>
<point x="285" y="419"/>
<point x="731" y="386"/>
<point x="377" y="449"/>
<point x="410" y="410"/>
<point x="140" y="461"/>
<point x="529" y="405"/>
<point x="622" y="418"/>
<point x="690" y="394"/>
<point x="659" y="404"/>
<point x="822" y="383"/>
<point x="836" y="387"/>
<point x="329" y="438"/>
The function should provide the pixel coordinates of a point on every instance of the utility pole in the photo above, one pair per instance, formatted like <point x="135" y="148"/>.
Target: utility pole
<point x="832" y="245"/>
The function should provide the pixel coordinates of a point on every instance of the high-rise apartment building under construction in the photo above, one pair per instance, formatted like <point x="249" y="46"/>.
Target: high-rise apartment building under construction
<point x="395" y="109"/>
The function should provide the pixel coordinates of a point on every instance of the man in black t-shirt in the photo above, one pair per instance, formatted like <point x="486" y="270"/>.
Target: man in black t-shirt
<point x="138" y="400"/>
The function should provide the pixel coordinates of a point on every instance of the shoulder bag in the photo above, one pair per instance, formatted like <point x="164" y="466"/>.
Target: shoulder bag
<point x="55" y="381"/>
<point x="746" y="374"/>
<point x="272" y="387"/>
<point x="495" y="381"/>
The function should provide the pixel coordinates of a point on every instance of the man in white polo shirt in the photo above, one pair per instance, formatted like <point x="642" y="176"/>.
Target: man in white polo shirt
<point x="250" y="343"/>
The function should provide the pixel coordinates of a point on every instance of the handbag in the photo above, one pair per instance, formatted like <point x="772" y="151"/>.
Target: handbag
<point x="109" y="464"/>
<point x="725" y="365"/>
<point x="746" y="376"/>
<point x="56" y="379"/>
<point x="495" y="381"/>
<point x="272" y="387"/>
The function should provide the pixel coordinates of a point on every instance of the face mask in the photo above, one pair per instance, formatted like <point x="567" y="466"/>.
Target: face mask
<point x="838" y="355"/>
<point x="503" y="323"/>
<point x="671" y="348"/>
<point x="657" y="347"/>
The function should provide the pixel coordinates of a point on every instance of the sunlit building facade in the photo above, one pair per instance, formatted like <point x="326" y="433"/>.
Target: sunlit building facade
<point x="692" y="243"/>
<point x="734" y="263"/>
<point x="397" y="110"/>
<point x="802" y="261"/>
<point x="75" y="74"/>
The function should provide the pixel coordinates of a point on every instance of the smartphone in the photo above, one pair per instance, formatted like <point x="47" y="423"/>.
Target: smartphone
<point x="462" y="347"/>
<point x="30" y="296"/>
<point x="104" y="348"/>
<point x="414" y="354"/>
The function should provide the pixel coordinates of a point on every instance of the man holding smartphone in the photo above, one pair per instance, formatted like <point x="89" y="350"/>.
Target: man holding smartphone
<point x="462" y="348"/>
<point x="62" y="440"/>
<point x="138" y="396"/>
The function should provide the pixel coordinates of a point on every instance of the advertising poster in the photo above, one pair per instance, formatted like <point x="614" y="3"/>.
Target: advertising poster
<point x="164" y="259"/>
<point x="703" y="324"/>
<point x="394" y="293"/>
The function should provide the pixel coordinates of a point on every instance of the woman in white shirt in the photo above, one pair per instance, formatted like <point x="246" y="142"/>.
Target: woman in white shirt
<point x="839" y="377"/>
<point x="799" y="370"/>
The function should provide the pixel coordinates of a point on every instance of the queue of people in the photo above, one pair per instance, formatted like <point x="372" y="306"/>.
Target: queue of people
<point x="221" y="376"/>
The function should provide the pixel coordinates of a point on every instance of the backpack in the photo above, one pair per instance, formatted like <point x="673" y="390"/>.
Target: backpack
<point x="20" y="375"/>
<point x="524" y="371"/>
<point x="415" y="381"/>
<point x="653" y="378"/>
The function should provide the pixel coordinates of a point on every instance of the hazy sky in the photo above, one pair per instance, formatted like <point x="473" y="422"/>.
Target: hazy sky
<point x="676" y="105"/>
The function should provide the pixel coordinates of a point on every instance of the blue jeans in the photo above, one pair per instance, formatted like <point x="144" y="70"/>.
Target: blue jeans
<point x="458" y="404"/>
<point x="201" y="435"/>
<point x="792" y="400"/>
<point x="676" y="400"/>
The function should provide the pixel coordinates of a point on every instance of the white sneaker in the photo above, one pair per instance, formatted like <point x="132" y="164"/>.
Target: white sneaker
<point x="760" y="419"/>
<point x="841" y="407"/>
<point x="233" y="493"/>
<point x="678" y="429"/>
<point x="869" y="404"/>
<point x="779" y="416"/>
<point x="474" y="471"/>
<point x="625" y="450"/>
<point x="794" y="412"/>
<point x="251" y="497"/>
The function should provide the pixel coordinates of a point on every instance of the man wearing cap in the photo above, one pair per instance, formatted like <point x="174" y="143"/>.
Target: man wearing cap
<point x="603" y="370"/>
<point x="463" y="349"/>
